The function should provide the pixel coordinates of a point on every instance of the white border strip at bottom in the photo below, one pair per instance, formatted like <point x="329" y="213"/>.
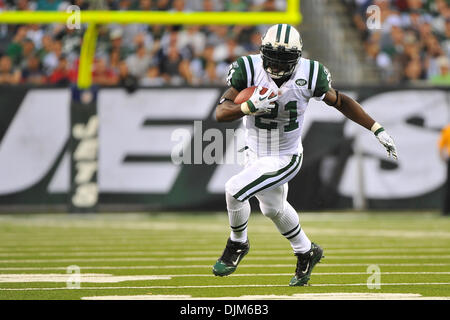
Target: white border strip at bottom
<point x="229" y="286"/>
<point x="299" y="296"/>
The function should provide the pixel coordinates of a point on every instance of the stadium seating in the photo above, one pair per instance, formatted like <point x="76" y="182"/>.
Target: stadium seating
<point x="413" y="43"/>
<point x="143" y="54"/>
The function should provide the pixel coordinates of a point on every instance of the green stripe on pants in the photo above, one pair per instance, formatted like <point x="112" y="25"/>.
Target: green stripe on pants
<point x="264" y="177"/>
<point x="274" y="182"/>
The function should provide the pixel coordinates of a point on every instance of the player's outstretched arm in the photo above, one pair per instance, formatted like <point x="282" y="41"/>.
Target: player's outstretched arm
<point x="227" y="110"/>
<point x="353" y="110"/>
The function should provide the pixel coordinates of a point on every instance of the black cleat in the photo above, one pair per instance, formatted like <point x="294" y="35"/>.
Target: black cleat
<point x="305" y="263"/>
<point x="231" y="256"/>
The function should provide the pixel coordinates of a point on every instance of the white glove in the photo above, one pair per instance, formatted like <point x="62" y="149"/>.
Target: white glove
<point x="387" y="142"/>
<point x="259" y="103"/>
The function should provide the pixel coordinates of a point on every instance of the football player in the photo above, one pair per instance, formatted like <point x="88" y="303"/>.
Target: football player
<point x="273" y="120"/>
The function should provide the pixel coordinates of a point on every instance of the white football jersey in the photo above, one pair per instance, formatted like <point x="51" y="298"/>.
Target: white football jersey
<point x="279" y="133"/>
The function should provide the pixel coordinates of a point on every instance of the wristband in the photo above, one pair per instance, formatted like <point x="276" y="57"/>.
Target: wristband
<point x="376" y="128"/>
<point x="244" y="108"/>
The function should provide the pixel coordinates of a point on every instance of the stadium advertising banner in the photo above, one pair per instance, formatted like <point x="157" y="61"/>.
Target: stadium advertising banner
<point x="161" y="148"/>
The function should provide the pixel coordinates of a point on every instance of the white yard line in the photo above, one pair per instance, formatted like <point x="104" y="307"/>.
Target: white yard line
<point x="102" y="248"/>
<point x="316" y="273"/>
<point x="230" y="286"/>
<point x="109" y="278"/>
<point x="221" y="227"/>
<point x="297" y="296"/>
<point x="158" y="259"/>
<point x="205" y="252"/>
<point x="81" y="278"/>
<point x="209" y="266"/>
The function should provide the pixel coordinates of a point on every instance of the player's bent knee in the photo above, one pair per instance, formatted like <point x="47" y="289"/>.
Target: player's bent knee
<point x="232" y="203"/>
<point x="231" y="187"/>
<point x="269" y="212"/>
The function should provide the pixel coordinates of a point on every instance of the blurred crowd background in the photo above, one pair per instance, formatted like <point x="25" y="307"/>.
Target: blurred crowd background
<point x="412" y="44"/>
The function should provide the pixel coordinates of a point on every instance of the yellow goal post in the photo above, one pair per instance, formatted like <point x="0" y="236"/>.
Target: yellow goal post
<point x="292" y="16"/>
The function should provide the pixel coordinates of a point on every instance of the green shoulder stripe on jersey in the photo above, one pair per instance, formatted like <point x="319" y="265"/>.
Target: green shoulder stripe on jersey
<point x="252" y="70"/>
<point x="239" y="77"/>
<point x="323" y="82"/>
<point x="311" y="73"/>
<point x="288" y="30"/>
<point x="261" y="179"/>
<point x="280" y="26"/>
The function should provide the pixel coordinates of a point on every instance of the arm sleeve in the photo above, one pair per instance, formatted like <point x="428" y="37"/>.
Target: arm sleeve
<point x="323" y="83"/>
<point x="237" y="75"/>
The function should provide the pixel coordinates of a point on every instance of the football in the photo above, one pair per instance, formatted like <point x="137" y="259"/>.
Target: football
<point x="245" y="94"/>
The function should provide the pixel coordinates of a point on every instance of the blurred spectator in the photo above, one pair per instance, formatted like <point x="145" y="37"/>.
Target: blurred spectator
<point x="163" y="5"/>
<point x="254" y="43"/>
<point x="46" y="46"/>
<point x="33" y="73"/>
<point x="204" y="69"/>
<point x="125" y="79"/>
<point x="228" y="51"/>
<point x="174" y="69"/>
<point x="446" y="38"/>
<point x="152" y="77"/>
<point x="124" y="5"/>
<point x="210" y="5"/>
<point x="48" y="5"/>
<point x="433" y="51"/>
<point x="71" y="43"/>
<point x="179" y="5"/>
<point x="35" y="33"/>
<point x="84" y="4"/>
<point x="60" y="75"/>
<point x="413" y="70"/>
<point x="14" y="49"/>
<point x="102" y="74"/>
<point x="443" y="78"/>
<point x="8" y="75"/>
<point x="193" y="38"/>
<point x="28" y="50"/>
<point x="265" y="5"/>
<point x="24" y="5"/>
<point x="114" y="60"/>
<point x="145" y="5"/>
<point x="51" y="58"/>
<point x="415" y="33"/>
<point x="139" y="62"/>
<point x="270" y="5"/>
<point x="235" y="5"/>
<point x="116" y="43"/>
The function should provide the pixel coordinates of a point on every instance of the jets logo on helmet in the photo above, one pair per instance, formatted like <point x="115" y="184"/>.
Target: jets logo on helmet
<point x="281" y="50"/>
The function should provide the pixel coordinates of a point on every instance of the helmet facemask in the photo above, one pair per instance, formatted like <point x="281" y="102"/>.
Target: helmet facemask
<point x="279" y="62"/>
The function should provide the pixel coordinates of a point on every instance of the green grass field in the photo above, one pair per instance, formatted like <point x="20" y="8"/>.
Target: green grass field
<point x="169" y="256"/>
